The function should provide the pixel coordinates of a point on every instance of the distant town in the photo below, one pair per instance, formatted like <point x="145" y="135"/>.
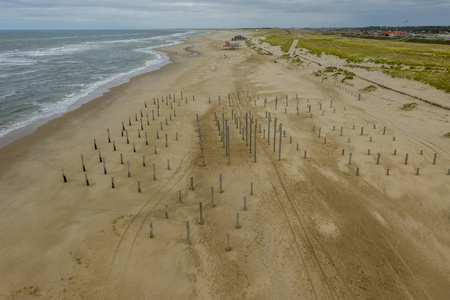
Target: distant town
<point x="419" y="32"/>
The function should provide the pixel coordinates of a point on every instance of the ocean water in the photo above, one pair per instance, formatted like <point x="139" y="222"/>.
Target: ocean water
<point x="44" y="73"/>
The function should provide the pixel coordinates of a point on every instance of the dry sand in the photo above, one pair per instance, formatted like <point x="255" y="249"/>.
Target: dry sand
<point x="312" y="230"/>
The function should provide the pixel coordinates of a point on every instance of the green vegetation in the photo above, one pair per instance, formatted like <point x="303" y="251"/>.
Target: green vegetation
<point x="335" y="72"/>
<point x="295" y="59"/>
<point x="422" y="61"/>
<point x="368" y="89"/>
<point x="409" y="106"/>
<point x="279" y="37"/>
<point x="258" y="50"/>
<point x="447" y="135"/>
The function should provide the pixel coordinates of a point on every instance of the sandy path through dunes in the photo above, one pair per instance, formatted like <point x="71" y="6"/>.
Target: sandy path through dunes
<point x="313" y="229"/>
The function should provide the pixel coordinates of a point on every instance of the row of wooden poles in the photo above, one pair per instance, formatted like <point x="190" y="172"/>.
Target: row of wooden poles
<point x="124" y="132"/>
<point x="212" y="204"/>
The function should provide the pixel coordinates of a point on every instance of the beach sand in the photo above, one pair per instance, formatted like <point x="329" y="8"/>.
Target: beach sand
<point x="313" y="229"/>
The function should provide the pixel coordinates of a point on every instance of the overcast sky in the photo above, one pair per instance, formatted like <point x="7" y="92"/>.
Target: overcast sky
<point x="148" y="14"/>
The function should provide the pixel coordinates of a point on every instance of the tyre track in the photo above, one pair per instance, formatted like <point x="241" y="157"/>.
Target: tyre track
<point x="310" y="251"/>
<point x="130" y="234"/>
<point x="368" y="216"/>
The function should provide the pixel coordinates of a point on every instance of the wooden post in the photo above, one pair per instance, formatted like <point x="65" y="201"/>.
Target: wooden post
<point x="251" y="188"/>
<point x="64" y="176"/>
<point x="320" y="130"/>
<point x="220" y="183"/>
<point x="139" y="186"/>
<point x="154" y="171"/>
<point x="168" y="164"/>
<point x="304" y="155"/>
<point x="350" y="159"/>
<point x="114" y="146"/>
<point x="417" y="171"/>
<point x="275" y="134"/>
<point x="156" y="152"/>
<point x="112" y="182"/>
<point x="384" y="130"/>
<point x="179" y="196"/>
<point x="151" y="230"/>
<point x="142" y="125"/>
<point x="104" y="165"/>
<point x="251" y="127"/>
<point x="128" y="167"/>
<point x="121" y="159"/>
<point x="188" y="234"/>
<point x="212" y="197"/>
<point x="362" y="130"/>
<point x="279" y="147"/>
<point x="378" y="158"/>
<point x="82" y="163"/>
<point x="87" y="180"/>
<point x="368" y="151"/>
<point x="109" y="138"/>
<point x="95" y="144"/>
<point x="167" y="211"/>
<point x="99" y="156"/>
<point x="342" y="129"/>
<point x="228" y="248"/>
<point x="268" y="130"/>
<point x="406" y="159"/>
<point x="395" y="151"/>
<point x="387" y="172"/>
<point x="129" y="121"/>
<point x="201" y="222"/>
<point x="126" y="134"/>
<point x="238" y="226"/>
<point x="434" y="158"/>
<point x="245" y="203"/>
<point x="134" y="147"/>
<point x="192" y="183"/>
<point x="254" y="139"/>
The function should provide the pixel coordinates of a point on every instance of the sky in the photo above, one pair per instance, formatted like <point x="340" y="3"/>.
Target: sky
<point x="155" y="14"/>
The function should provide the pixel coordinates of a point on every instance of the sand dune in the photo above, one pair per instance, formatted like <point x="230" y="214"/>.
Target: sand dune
<point x="313" y="228"/>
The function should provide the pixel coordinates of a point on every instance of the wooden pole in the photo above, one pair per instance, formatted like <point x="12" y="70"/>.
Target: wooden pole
<point x="220" y="183"/>
<point x="104" y="165"/>
<point x="274" y="134"/>
<point x="279" y="147"/>
<point x="212" y="197"/>
<point x="87" y="180"/>
<point x="245" y="203"/>
<point x="64" y="176"/>
<point x="82" y="163"/>
<point x="238" y="226"/>
<point x="188" y="233"/>
<point x="139" y="186"/>
<point x="201" y="222"/>
<point x="128" y="167"/>
<point x="151" y="230"/>
<point x="112" y="182"/>
<point x="154" y="171"/>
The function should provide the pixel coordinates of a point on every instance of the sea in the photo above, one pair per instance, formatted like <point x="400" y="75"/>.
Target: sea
<point x="44" y="74"/>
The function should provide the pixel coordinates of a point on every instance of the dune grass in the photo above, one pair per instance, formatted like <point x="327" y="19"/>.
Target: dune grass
<point x="427" y="63"/>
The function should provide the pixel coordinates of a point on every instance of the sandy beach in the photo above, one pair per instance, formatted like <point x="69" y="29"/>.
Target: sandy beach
<point x="357" y="205"/>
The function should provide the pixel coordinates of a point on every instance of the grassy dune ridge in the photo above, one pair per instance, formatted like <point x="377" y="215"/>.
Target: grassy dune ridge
<point x="427" y="63"/>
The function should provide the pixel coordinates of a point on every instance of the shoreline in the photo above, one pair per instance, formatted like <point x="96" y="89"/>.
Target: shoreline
<point x="30" y="128"/>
